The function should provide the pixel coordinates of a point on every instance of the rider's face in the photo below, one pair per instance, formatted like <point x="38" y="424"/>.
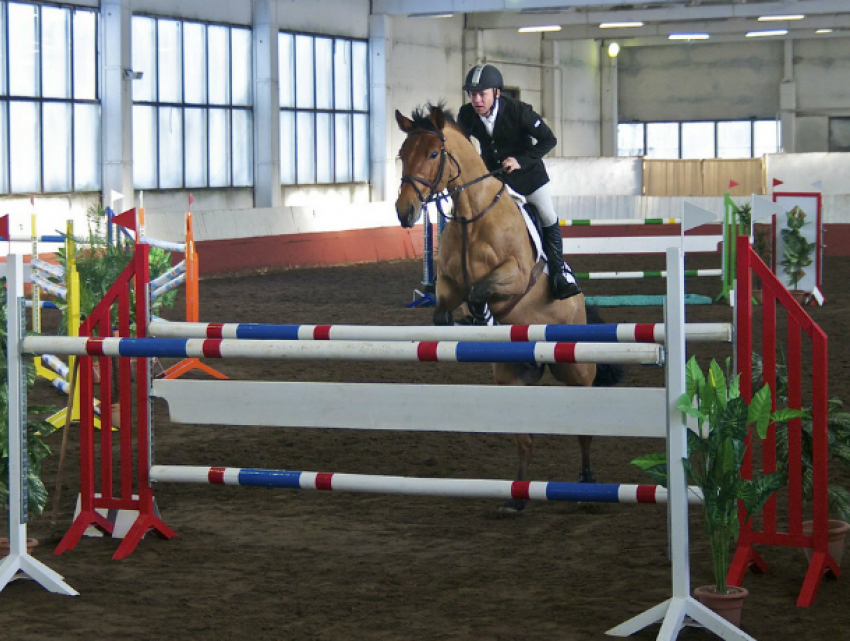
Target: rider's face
<point x="482" y="101"/>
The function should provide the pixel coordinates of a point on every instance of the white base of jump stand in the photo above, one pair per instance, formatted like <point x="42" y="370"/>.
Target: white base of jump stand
<point x="672" y="613"/>
<point x="18" y="562"/>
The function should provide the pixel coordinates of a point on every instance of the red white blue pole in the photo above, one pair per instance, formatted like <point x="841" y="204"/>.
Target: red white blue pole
<point x="463" y="488"/>
<point x="599" y="333"/>
<point x="440" y="351"/>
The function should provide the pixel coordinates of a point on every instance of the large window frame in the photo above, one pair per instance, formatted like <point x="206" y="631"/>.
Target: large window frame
<point x="49" y="99"/>
<point x="324" y="109"/>
<point x="698" y="139"/>
<point x="191" y="132"/>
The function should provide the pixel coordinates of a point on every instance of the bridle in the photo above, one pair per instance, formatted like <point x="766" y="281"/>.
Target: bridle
<point x="432" y="185"/>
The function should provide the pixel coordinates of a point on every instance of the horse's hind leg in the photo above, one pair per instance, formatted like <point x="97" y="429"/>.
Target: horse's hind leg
<point x="519" y="374"/>
<point x="586" y="475"/>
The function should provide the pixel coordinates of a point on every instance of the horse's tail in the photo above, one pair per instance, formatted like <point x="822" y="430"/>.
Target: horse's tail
<point x="607" y="375"/>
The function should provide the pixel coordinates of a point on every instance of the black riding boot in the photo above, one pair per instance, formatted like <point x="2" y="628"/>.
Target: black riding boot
<point x="561" y="276"/>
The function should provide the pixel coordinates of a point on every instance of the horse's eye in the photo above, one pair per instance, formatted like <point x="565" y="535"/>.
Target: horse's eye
<point x="434" y="154"/>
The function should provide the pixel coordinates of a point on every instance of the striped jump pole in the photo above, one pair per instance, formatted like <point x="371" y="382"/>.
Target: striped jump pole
<point x="644" y="274"/>
<point x="452" y="487"/>
<point x="598" y="333"/>
<point x="411" y="351"/>
<point x="610" y="222"/>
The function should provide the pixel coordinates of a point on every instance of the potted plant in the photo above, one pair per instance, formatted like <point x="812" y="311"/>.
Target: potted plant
<point x="37" y="429"/>
<point x="715" y="456"/>
<point x="838" y="439"/>
<point x="796" y="250"/>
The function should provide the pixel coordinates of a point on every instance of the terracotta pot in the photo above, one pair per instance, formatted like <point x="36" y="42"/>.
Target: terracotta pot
<point x="726" y="605"/>
<point x="801" y="296"/>
<point x="837" y="531"/>
<point x="4" y="546"/>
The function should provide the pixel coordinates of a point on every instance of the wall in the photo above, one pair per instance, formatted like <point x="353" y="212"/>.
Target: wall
<point x="700" y="81"/>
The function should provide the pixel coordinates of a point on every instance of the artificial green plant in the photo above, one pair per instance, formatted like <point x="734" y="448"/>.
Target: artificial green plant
<point x="796" y="250"/>
<point x="716" y="451"/>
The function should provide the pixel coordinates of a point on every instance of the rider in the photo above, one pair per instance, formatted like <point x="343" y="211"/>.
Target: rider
<point x="513" y="136"/>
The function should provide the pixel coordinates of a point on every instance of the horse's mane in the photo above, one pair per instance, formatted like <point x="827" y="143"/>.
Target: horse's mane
<point x="422" y="119"/>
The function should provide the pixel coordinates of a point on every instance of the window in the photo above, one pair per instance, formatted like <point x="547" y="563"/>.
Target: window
<point x="49" y="109"/>
<point x="706" y="139"/>
<point x="192" y="108"/>
<point x="324" y="109"/>
<point x="630" y="139"/>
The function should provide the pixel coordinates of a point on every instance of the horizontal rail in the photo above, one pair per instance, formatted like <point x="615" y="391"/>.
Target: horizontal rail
<point x="643" y="274"/>
<point x="414" y="486"/>
<point x="442" y="351"/>
<point x="480" y="409"/>
<point x="601" y="333"/>
<point x="601" y="222"/>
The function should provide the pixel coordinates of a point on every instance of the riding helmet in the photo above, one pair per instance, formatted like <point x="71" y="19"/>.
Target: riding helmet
<point x="482" y="77"/>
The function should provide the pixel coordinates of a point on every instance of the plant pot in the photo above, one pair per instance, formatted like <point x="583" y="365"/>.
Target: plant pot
<point x="4" y="546"/>
<point x="801" y="296"/>
<point x="837" y="531"/>
<point x="726" y="605"/>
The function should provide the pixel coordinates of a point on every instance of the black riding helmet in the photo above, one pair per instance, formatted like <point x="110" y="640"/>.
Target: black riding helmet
<point x="482" y="77"/>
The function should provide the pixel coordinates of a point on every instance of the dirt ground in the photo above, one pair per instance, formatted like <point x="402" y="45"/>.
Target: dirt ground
<point x="262" y="564"/>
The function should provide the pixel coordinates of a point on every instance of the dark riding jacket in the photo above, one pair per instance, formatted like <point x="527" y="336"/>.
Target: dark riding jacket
<point x="519" y="132"/>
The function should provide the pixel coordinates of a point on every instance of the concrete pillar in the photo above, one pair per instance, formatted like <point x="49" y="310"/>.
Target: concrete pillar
<point x="552" y="92"/>
<point x="608" y="107"/>
<point x="266" y="105"/>
<point x="788" y="102"/>
<point x="117" y="103"/>
<point x="383" y="176"/>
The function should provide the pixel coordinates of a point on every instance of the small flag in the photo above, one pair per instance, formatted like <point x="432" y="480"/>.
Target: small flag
<point x="4" y="226"/>
<point x="126" y="219"/>
<point x="732" y="184"/>
<point x="191" y="199"/>
<point x="32" y="200"/>
<point x="777" y="182"/>
<point x="818" y="184"/>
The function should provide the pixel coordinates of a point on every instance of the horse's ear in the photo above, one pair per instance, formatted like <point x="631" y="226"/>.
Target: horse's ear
<point x="438" y="117"/>
<point x="404" y="123"/>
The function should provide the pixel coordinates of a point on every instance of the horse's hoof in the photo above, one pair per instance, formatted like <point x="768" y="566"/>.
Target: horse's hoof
<point x="586" y="477"/>
<point x="512" y="507"/>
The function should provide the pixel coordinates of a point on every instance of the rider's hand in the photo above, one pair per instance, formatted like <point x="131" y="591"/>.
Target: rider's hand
<point x="510" y="164"/>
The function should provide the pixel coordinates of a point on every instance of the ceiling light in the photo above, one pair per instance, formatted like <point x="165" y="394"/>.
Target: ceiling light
<point x="824" y="31"/>
<point x="688" y="36"/>
<point x="774" y="18"/>
<point x="770" y="32"/>
<point x="430" y="15"/>
<point x="548" y="27"/>
<point x="620" y="25"/>
<point x="613" y="50"/>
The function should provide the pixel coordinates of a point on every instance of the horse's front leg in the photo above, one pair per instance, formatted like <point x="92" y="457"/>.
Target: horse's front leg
<point x="449" y="297"/>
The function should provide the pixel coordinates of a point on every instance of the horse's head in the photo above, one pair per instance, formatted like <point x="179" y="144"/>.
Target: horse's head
<point x="423" y="158"/>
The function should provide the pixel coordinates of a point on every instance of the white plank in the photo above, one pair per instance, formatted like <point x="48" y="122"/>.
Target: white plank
<point x="440" y="408"/>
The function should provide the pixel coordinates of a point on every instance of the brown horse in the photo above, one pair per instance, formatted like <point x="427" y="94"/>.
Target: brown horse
<point x="485" y="253"/>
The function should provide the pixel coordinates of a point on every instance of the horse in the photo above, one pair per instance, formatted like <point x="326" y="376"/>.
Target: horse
<point x="486" y="255"/>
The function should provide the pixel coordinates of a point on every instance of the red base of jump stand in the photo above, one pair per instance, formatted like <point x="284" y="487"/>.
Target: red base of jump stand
<point x="78" y="528"/>
<point x="142" y="526"/>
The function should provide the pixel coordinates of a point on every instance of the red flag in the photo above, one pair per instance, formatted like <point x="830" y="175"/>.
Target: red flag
<point x="732" y="183"/>
<point x="776" y="182"/>
<point x="126" y="219"/>
<point x="191" y="199"/>
<point x="4" y="226"/>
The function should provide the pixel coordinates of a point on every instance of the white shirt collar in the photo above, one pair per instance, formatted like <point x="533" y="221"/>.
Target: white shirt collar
<point x="490" y="121"/>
